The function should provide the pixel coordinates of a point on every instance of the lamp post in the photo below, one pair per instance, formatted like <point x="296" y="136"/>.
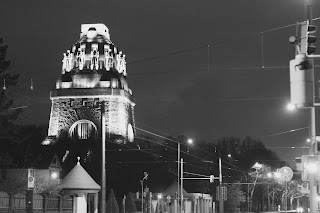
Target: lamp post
<point x="159" y="196"/>
<point x="189" y="141"/>
<point x="179" y="194"/>
<point x="103" y="159"/>
<point x="141" y="181"/>
<point x="178" y="188"/>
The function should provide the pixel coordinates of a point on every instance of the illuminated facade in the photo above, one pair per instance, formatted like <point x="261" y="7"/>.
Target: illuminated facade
<point x="93" y="70"/>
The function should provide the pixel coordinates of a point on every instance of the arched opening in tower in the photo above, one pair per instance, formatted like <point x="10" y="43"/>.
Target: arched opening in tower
<point x="83" y="129"/>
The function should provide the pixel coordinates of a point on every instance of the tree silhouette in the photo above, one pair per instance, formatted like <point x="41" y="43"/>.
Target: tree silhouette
<point x="130" y="205"/>
<point x="7" y="116"/>
<point x="112" y="205"/>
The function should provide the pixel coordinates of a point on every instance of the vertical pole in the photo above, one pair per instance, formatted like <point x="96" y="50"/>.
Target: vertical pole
<point x="124" y="204"/>
<point x="103" y="145"/>
<point x="221" y="210"/>
<point x="142" y="195"/>
<point x="150" y="202"/>
<point x="286" y="200"/>
<point x="248" y="198"/>
<point x="208" y="57"/>
<point x="29" y="201"/>
<point x="181" y="187"/>
<point x="178" y="189"/>
<point x="95" y="203"/>
<point x="312" y="151"/>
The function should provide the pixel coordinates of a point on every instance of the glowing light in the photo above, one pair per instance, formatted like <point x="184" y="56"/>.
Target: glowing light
<point x="308" y="140"/>
<point x="300" y="209"/>
<point x="257" y="166"/>
<point x="269" y="174"/>
<point x="46" y="142"/>
<point x="159" y="196"/>
<point x="291" y="107"/>
<point x="229" y="155"/>
<point x="54" y="175"/>
<point x="277" y="175"/>
<point x="190" y="141"/>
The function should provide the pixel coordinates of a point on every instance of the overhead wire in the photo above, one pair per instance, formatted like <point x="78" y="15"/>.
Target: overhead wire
<point x="173" y="53"/>
<point x="186" y="152"/>
<point x="197" y="148"/>
<point x="162" y="157"/>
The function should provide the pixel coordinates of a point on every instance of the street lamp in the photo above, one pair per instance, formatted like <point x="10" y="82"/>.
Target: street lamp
<point x="291" y="107"/>
<point x="257" y="166"/>
<point x="159" y="196"/>
<point x="54" y="175"/>
<point x="189" y="141"/>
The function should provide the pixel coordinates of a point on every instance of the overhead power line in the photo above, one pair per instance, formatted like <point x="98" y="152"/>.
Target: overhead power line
<point x="173" y="53"/>
<point x="186" y="152"/>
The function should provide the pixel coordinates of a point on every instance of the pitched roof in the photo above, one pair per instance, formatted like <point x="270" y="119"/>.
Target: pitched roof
<point x="173" y="188"/>
<point x="78" y="178"/>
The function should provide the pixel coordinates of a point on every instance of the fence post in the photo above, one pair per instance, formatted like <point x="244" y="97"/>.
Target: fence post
<point x="10" y="202"/>
<point x="29" y="201"/>
<point x="60" y="203"/>
<point x="45" y="203"/>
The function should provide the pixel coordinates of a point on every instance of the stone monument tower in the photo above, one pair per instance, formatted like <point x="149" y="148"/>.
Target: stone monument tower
<point x="93" y="71"/>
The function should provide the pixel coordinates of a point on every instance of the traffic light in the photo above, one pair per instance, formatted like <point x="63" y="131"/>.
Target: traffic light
<point x="301" y="82"/>
<point x="211" y="178"/>
<point x="307" y="41"/>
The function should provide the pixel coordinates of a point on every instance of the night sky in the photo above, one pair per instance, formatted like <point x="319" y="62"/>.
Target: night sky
<point x="187" y="88"/>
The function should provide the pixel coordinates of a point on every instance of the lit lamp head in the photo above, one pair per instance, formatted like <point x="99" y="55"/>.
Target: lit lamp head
<point x="291" y="107"/>
<point x="159" y="196"/>
<point x="190" y="141"/>
<point x="54" y="175"/>
<point x="257" y="166"/>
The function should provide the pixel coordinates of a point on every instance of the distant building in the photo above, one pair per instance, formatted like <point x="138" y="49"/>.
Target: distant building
<point x="49" y="169"/>
<point x="93" y="71"/>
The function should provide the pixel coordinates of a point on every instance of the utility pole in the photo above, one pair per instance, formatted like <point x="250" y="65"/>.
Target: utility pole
<point x="313" y="150"/>
<point x="178" y="188"/>
<point x="221" y="210"/>
<point x="103" y="158"/>
<point x="302" y="88"/>
<point x="181" y="187"/>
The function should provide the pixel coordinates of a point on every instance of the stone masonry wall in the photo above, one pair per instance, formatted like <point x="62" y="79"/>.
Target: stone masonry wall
<point x="66" y="111"/>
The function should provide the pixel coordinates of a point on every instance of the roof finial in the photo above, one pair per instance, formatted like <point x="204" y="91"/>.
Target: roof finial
<point x="78" y="160"/>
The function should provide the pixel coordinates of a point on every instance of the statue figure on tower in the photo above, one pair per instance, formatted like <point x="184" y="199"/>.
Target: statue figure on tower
<point x="120" y="63"/>
<point x="69" y="61"/>
<point x="94" y="59"/>
<point x="64" y="63"/>
<point x="107" y="57"/>
<point x="80" y="58"/>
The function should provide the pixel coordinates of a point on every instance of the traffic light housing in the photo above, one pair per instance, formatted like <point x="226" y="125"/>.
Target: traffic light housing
<point x="301" y="82"/>
<point x="307" y="38"/>
<point x="211" y="178"/>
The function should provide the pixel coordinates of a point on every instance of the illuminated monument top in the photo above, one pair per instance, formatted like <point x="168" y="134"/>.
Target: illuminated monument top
<point x="95" y="55"/>
<point x="93" y="70"/>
